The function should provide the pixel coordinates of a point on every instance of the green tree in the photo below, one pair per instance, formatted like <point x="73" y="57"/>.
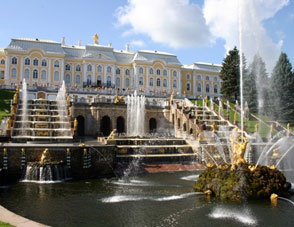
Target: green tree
<point x="230" y="75"/>
<point x="282" y="84"/>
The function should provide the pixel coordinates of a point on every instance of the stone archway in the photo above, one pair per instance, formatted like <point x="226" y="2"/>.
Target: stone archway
<point x="81" y="126"/>
<point x="152" y="125"/>
<point x="120" y="124"/>
<point x="105" y="125"/>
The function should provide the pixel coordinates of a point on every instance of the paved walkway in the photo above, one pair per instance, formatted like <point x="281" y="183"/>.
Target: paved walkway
<point x="16" y="220"/>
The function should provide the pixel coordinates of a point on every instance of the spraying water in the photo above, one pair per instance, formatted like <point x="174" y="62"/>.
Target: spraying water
<point x="61" y="105"/>
<point x="24" y="113"/>
<point x="135" y="115"/>
<point x="241" y="66"/>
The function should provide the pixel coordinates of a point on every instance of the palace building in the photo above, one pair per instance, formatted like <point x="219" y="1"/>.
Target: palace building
<point x="47" y="63"/>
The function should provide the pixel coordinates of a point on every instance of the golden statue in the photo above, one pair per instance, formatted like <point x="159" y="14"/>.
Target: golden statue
<point x="67" y="151"/>
<point x="256" y="128"/>
<point x="214" y="127"/>
<point x="274" y="199"/>
<point x="68" y="100"/>
<point x="75" y="124"/>
<point x="9" y="124"/>
<point x="70" y="111"/>
<point x="15" y="98"/>
<point x="45" y="156"/>
<point x="96" y="39"/>
<point x="111" y="135"/>
<point x="5" y="151"/>
<point x="85" y="151"/>
<point x="206" y="100"/>
<point x="238" y="148"/>
<point x="23" y="153"/>
<point x="12" y="110"/>
<point x="116" y="99"/>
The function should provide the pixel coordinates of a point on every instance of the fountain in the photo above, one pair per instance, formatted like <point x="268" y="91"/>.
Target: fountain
<point x="135" y="115"/>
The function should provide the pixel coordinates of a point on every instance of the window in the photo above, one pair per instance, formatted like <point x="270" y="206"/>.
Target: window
<point x="165" y="72"/>
<point x="89" y="68"/>
<point x="108" y="82"/>
<point x="215" y="89"/>
<point x="67" y="78"/>
<point x="56" y="64"/>
<point x="174" y="83"/>
<point x="199" y="87"/>
<point x="141" y="81"/>
<point x="99" y="68"/>
<point x="89" y="79"/>
<point x="188" y="76"/>
<point x="127" y="72"/>
<point x="117" y="81"/>
<point x="56" y="76"/>
<point x="141" y="71"/>
<point x="27" y="61"/>
<point x="158" y="82"/>
<point x="215" y="78"/>
<point x="14" y="61"/>
<point x="35" y="74"/>
<point x="199" y="77"/>
<point x="164" y="83"/>
<point x="43" y="75"/>
<point x="36" y="62"/>
<point x="1" y="75"/>
<point x="27" y="73"/>
<point x="174" y="73"/>
<point x="158" y="72"/>
<point x="207" y="78"/>
<point x="99" y="82"/>
<point x="151" y="82"/>
<point x="78" y="79"/>
<point x="67" y="67"/>
<point x="109" y="69"/>
<point x="151" y="71"/>
<point x="13" y="72"/>
<point x="2" y="62"/>
<point x="127" y="82"/>
<point x="44" y="62"/>
<point x="78" y="68"/>
<point x="188" y="86"/>
<point x="117" y="71"/>
<point x="207" y="88"/>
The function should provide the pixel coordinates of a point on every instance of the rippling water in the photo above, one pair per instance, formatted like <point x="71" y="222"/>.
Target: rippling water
<point x="159" y="199"/>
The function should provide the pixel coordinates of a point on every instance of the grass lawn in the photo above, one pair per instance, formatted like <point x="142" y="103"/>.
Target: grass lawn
<point x="3" y="224"/>
<point x="5" y="98"/>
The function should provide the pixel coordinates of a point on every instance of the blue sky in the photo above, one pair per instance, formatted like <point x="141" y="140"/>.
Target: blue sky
<point x="154" y="24"/>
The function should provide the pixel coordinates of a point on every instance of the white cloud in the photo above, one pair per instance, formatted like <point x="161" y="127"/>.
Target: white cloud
<point x="139" y="43"/>
<point x="177" y="23"/>
<point x="222" y="18"/>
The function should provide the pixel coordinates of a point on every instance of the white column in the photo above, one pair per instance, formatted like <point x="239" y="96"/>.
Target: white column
<point x="49" y="71"/>
<point x="72" y="82"/>
<point x="180" y="81"/>
<point x="7" y="62"/>
<point x="104" y="74"/>
<point x="169" y="80"/>
<point x="113" y="75"/>
<point x="194" y="84"/>
<point x="123" y="76"/>
<point x="62" y="70"/>
<point x="84" y="68"/>
<point x="21" y="69"/>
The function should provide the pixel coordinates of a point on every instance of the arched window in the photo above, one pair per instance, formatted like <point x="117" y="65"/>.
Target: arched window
<point x="67" y="67"/>
<point x="89" y="68"/>
<point x="174" y="83"/>
<point x="158" y="72"/>
<point x="207" y="78"/>
<point x="174" y="73"/>
<point x="165" y="72"/>
<point x="99" y="68"/>
<point x="127" y="72"/>
<point x="13" y="72"/>
<point x="27" y="73"/>
<point x="207" y="88"/>
<point x="78" y="79"/>
<point x="99" y="82"/>
<point x="141" y="71"/>
<point x="164" y="83"/>
<point x="215" y="89"/>
<point x="2" y="62"/>
<point x="56" y="75"/>
<point x="188" y="86"/>
<point x="141" y="81"/>
<point x="158" y="82"/>
<point x="109" y="69"/>
<point x="151" y="82"/>
<point x="78" y="68"/>
<point x="14" y="61"/>
<point x="117" y="81"/>
<point x="108" y="82"/>
<point x="67" y="78"/>
<point x="215" y="79"/>
<point x="36" y="62"/>
<point x="35" y="74"/>
<point x="27" y="61"/>
<point x="151" y="71"/>
<point x="89" y="80"/>
<point x="43" y="75"/>
<point x="199" y="87"/>
<point x="188" y="76"/>
<point x="56" y="64"/>
<point x="117" y="71"/>
<point x="127" y="82"/>
<point x="44" y="62"/>
<point x="199" y="77"/>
